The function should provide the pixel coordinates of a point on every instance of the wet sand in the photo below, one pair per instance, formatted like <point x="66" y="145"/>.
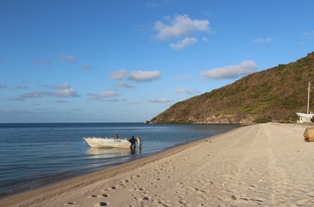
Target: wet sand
<point x="259" y="165"/>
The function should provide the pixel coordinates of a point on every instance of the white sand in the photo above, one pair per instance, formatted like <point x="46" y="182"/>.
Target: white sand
<point x="258" y="165"/>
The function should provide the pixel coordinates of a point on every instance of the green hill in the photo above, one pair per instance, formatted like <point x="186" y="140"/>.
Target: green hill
<point x="274" y="94"/>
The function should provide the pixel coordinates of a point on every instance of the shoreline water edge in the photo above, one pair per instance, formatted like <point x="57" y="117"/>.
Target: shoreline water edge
<point x="258" y="165"/>
<point x="36" y="155"/>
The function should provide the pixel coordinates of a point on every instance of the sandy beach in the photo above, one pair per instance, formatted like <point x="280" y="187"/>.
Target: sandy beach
<point x="258" y="165"/>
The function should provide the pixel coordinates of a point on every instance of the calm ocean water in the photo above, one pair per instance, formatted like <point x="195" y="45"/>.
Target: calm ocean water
<point x="34" y="155"/>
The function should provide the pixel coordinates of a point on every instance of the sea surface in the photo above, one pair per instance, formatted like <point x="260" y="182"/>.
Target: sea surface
<point x="35" y="155"/>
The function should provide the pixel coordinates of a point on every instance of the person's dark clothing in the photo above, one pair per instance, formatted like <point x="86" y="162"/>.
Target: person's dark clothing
<point x="132" y="141"/>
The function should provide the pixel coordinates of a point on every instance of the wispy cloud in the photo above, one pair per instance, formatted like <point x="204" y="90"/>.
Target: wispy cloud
<point x="231" y="71"/>
<point x="125" y="85"/>
<point x="19" y="87"/>
<point x="67" y="58"/>
<point x="134" y="102"/>
<point x="35" y="94"/>
<point x="62" y="86"/>
<point x="42" y="61"/>
<point x="64" y="91"/>
<point x="101" y="95"/>
<point x="151" y="4"/>
<point x="144" y="76"/>
<point x="87" y="67"/>
<point x="308" y="35"/>
<point x="16" y="99"/>
<point x="3" y="86"/>
<point x="263" y="40"/>
<point x="180" y="89"/>
<point x="115" y="100"/>
<point x="119" y="75"/>
<point x="61" y="101"/>
<point x="68" y="92"/>
<point x="160" y="100"/>
<point x="180" y="25"/>
<point x="183" y="43"/>
<point x="137" y="76"/>
<point x="183" y="78"/>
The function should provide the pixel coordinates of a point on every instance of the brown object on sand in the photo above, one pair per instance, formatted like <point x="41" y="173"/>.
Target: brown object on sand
<point x="309" y="134"/>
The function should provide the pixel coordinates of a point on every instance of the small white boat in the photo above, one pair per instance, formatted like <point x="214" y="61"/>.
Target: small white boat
<point x="107" y="142"/>
<point x="307" y="117"/>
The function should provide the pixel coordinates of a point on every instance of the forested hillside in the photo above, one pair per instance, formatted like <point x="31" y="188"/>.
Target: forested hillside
<point x="274" y="94"/>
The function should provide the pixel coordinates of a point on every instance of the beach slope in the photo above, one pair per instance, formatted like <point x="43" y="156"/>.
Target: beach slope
<point x="259" y="165"/>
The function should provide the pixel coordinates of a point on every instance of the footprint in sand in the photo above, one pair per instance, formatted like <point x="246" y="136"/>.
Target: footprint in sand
<point x="125" y="181"/>
<point x="111" y="188"/>
<point x="99" y="196"/>
<point x="145" y="198"/>
<point x="70" y="203"/>
<point x="101" y="204"/>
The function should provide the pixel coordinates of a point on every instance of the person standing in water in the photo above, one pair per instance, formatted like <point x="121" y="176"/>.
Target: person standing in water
<point x="117" y="136"/>
<point x="132" y="140"/>
<point x="139" y="142"/>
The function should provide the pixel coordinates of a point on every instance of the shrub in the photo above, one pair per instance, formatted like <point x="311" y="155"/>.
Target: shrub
<point x="262" y="120"/>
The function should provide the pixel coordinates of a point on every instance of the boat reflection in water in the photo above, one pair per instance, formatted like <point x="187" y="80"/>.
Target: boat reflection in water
<point x="136" y="150"/>
<point x="107" y="152"/>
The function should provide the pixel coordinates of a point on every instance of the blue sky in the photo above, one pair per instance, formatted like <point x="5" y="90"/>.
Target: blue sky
<point x="128" y="61"/>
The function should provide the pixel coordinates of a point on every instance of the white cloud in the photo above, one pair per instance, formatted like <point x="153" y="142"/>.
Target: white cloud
<point x="263" y="40"/>
<point x="125" y="85"/>
<point x="145" y="76"/>
<point x="180" y="25"/>
<point x="65" y="91"/>
<point x="138" y="76"/>
<point x="104" y="94"/>
<point x="160" y="100"/>
<point x="180" y="89"/>
<point x="35" y="94"/>
<point x="119" y="75"/>
<point x="183" y="43"/>
<point x="67" y="58"/>
<point x="231" y="71"/>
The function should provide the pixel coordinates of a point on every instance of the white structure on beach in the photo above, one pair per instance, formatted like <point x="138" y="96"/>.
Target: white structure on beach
<point x="309" y="116"/>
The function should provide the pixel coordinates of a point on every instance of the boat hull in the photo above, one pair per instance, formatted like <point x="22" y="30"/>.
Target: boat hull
<point x="305" y="118"/>
<point x="107" y="142"/>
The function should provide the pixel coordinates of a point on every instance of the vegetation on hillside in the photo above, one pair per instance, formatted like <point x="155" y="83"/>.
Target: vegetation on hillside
<point x="275" y="94"/>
